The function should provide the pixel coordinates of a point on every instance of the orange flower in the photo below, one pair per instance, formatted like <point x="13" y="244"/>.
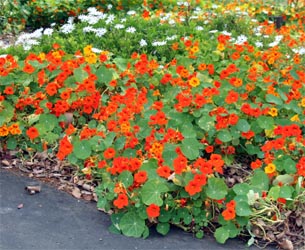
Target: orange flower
<point x="4" y="131"/>
<point x="140" y="177"/>
<point x="109" y="153"/>
<point x="14" y="129"/>
<point x="164" y="171"/>
<point x="32" y="133"/>
<point x="153" y="211"/>
<point x="229" y="212"/>
<point x="121" y="201"/>
<point x="9" y="90"/>
<point x="232" y="97"/>
<point x="193" y="187"/>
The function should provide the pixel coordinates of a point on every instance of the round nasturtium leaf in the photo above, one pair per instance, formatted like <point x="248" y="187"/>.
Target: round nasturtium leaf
<point x="151" y="192"/>
<point x="224" y="135"/>
<point x="221" y="235"/>
<point x="82" y="149"/>
<point x="163" y="228"/>
<point x="126" y="178"/>
<point x="216" y="188"/>
<point x="132" y="225"/>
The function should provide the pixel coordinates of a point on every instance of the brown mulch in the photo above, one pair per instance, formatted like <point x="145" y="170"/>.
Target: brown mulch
<point x="48" y="169"/>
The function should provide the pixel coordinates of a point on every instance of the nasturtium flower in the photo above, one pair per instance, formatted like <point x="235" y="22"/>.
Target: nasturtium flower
<point x="194" y="82"/>
<point x="121" y="201"/>
<point x="273" y="112"/>
<point x="32" y="133"/>
<point x="153" y="211"/>
<point x="270" y="168"/>
<point x="4" y="131"/>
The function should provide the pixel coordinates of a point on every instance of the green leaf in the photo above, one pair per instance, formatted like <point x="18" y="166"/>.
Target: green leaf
<point x="121" y="63"/>
<point x="265" y="122"/>
<point x="241" y="188"/>
<point x="224" y="135"/>
<point x="260" y="180"/>
<point x="243" y="125"/>
<point x="104" y="74"/>
<point x="7" y="113"/>
<point x="80" y="75"/>
<point x="126" y="178"/>
<point x="151" y="192"/>
<point x="294" y="74"/>
<point x="274" y="192"/>
<point x="108" y="141"/>
<point x="188" y="131"/>
<point x="81" y="149"/>
<point x="190" y="148"/>
<point x="163" y="228"/>
<point x="284" y="179"/>
<point x="286" y="192"/>
<point x="48" y="121"/>
<point x="132" y="225"/>
<point x="206" y="122"/>
<point x="221" y="235"/>
<point x="216" y="188"/>
<point x="11" y="143"/>
<point x="274" y="99"/>
<point x="169" y="154"/>
<point x="242" y="208"/>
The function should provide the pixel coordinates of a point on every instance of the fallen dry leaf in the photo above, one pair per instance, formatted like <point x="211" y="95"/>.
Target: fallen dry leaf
<point x="76" y="193"/>
<point x="33" y="188"/>
<point x="286" y="245"/>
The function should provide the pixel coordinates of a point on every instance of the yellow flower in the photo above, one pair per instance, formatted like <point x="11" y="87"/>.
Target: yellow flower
<point x="273" y="112"/>
<point x="220" y="46"/>
<point x="194" y="49"/>
<point x="91" y="58"/>
<point x="295" y="118"/>
<point x="270" y="168"/>
<point x="87" y="49"/>
<point x="86" y="170"/>
<point x="303" y="102"/>
<point x="194" y="82"/>
<point x="14" y="129"/>
<point x="42" y="56"/>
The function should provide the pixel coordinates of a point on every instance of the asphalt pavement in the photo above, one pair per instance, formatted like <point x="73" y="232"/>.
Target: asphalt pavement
<point x="54" y="220"/>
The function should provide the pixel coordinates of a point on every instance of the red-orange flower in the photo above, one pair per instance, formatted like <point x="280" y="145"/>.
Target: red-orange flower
<point x="109" y="153"/>
<point x="153" y="211"/>
<point x="121" y="201"/>
<point x="164" y="171"/>
<point x="140" y="177"/>
<point x="32" y="133"/>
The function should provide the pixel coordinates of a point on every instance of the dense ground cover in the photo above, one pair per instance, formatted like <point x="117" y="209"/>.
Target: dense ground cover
<point x="191" y="115"/>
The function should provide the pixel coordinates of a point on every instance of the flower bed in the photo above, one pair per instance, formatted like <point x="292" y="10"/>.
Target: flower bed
<point x="202" y="129"/>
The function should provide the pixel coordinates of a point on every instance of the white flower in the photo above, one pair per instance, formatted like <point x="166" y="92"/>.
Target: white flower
<point x="123" y="20"/>
<point x="95" y="50"/>
<point x="171" y="38"/>
<point x="109" y="6"/>
<point x="171" y="22"/>
<point x="241" y="39"/>
<point x="119" y="26"/>
<point x="110" y="19"/>
<point x="100" y="32"/>
<point x="131" y="30"/>
<point x="300" y="51"/>
<point x="53" y="24"/>
<point x="48" y="31"/>
<point x="213" y="31"/>
<point x="259" y="44"/>
<point x="273" y="44"/>
<point x="143" y="43"/>
<point x="159" y="43"/>
<point x="199" y="28"/>
<point x="226" y="33"/>
<point x="67" y="28"/>
<point x="131" y="12"/>
<point x="278" y="38"/>
<point x="88" y="29"/>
